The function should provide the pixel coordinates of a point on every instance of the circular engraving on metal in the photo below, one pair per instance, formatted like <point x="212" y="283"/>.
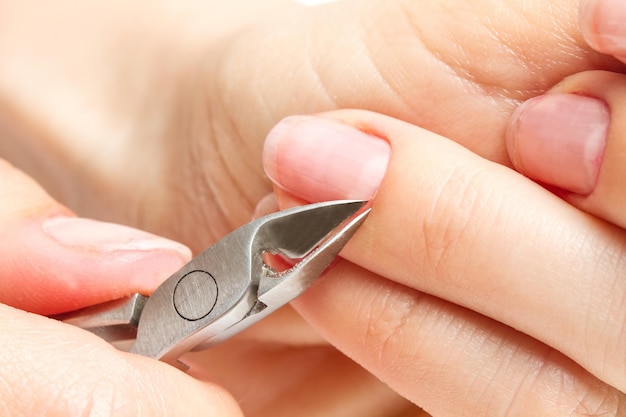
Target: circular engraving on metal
<point x="195" y="295"/>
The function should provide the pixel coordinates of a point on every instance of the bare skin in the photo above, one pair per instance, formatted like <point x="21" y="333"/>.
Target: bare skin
<point x="159" y="124"/>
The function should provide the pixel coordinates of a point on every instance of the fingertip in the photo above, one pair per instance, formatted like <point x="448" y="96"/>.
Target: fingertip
<point x="134" y="259"/>
<point x="559" y="139"/>
<point x="56" y="264"/>
<point x="275" y="142"/>
<point x="103" y="237"/>
<point x="320" y="159"/>
<point x="602" y="25"/>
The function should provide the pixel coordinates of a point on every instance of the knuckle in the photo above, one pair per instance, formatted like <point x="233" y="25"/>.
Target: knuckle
<point x="457" y="218"/>
<point x="603" y="402"/>
<point x="390" y="320"/>
<point x="570" y="391"/>
<point x="107" y="400"/>
<point x="95" y="396"/>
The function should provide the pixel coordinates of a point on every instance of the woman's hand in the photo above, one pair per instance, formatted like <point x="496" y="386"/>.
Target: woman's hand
<point x="154" y="115"/>
<point x="53" y="261"/>
<point x="489" y="295"/>
<point x="470" y="290"/>
<point x="164" y="106"/>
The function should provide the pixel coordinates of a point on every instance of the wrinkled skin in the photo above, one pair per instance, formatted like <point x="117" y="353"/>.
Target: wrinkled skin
<point x="154" y="115"/>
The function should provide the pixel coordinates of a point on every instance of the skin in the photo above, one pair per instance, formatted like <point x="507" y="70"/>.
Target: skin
<point x="498" y="286"/>
<point x="605" y="199"/>
<point x="410" y="307"/>
<point x="167" y="126"/>
<point x="181" y="125"/>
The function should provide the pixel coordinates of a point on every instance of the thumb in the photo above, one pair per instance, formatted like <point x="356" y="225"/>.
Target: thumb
<point x="48" y="368"/>
<point x="52" y="261"/>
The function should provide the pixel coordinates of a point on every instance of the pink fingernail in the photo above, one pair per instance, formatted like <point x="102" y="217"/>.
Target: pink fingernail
<point x="107" y="237"/>
<point x="318" y="159"/>
<point x="602" y="23"/>
<point x="559" y="139"/>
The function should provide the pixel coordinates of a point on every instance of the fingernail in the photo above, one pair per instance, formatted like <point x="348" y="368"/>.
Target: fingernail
<point x="319" y="159"/>
<point x="559" y="139"/>
<point x="602" y="25"/>
<point x="99" y="236"/>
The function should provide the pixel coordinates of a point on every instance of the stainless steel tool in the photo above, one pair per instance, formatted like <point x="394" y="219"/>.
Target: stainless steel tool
<point x="233" y="284"/>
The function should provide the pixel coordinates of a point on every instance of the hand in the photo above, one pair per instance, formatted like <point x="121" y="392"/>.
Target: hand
<point x="470" y="289"/>
<point x="177" y="127"/>
<point x="53" y="261"/>
<point x="478" y="253"/>
<point x="166" y="105"/>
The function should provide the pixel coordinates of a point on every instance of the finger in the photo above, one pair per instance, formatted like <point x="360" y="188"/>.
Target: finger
<point x="52" y="369"/>
<point x="409" y="60"/>
<point x="447" y="359"/>
<point x="266" y="205"/>
<point x="53" y="261"/>
<point x="602" y="26"/>
<point x="467" y="230"/>
<point x="574" y="138"/>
